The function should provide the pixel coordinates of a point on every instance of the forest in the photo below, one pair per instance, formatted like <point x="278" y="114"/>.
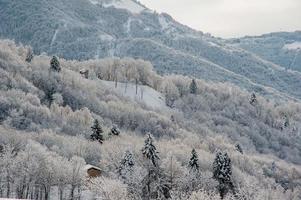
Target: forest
<point x="208" y="141"/>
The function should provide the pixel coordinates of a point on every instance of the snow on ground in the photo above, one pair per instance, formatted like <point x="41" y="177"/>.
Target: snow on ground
<point x="163" y="22"/>
<point x="293" y="46"/>
<point x="54" y="37"/>
<point x="146" y="94"/>
<point x="129" y="5"/>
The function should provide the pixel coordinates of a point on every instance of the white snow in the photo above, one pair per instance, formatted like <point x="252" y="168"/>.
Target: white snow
<point x="94" y="1"/>
<point x="163" y="22"/>
<point x="86" y="167"/>
<point x="145" y="94"/>
<point x="54" y="37"/>
<point x="293" y="46"/>
<point x="105" y="37"/>
<point x="129" y="5"/>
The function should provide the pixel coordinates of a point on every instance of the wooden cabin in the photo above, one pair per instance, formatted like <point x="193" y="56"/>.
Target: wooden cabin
<point x="93" y="171"/>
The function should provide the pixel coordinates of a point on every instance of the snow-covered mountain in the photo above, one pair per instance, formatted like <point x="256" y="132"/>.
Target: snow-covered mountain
<point x="83" y="29"/>
<point x="282" y="48"/>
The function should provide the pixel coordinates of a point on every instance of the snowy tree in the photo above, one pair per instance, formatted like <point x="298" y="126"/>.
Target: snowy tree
<point x="239" y="148"/>
<point x="171" y="92"/>
<point x="193" y="162"/>
<point x="286" y="121"/>
<point x="29" y="55"/>
<point x="49" y="96"/>
<point x="126" y="165"/>
<point x="55" y="64"/>
<point x="173" y="170"/>
<point x="222" y="172"/>
<point x="106" y="188"/>
<point x="149" y="150"/>
<point x="155" y="183"/>
<point x="253" y="99"/>
<point x="97" y="132"/>
<point x="193" y="87"/>
<point x="114" y="130"/>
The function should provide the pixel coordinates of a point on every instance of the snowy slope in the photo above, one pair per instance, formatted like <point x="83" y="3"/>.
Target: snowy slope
<point x="129" y="5"/>
<point x="293" y="46"/>
<point x="145" y="94"/>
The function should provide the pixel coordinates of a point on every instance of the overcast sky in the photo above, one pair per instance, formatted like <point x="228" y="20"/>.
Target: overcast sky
<point x="233" y="18"/>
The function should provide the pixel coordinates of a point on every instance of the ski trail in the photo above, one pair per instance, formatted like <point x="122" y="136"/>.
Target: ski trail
<point x="54" y="37"/>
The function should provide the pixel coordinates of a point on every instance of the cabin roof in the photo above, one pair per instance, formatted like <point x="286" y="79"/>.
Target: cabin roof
<point x="87" y="167"/>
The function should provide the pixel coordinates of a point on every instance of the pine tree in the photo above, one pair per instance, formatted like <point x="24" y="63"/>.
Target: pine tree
<point x="253" y="99"/>
<point x="193" y="87"/>
<point x="97" y="132"/>
<point x="55" y="64"/>
<point x="222" y="172"/>
<point x="126" y="164"/>
<point x="150" y="151"/>
<point x="115" y="130"/>
<point x="286" y="122"/>
<point x="239" y="149"/>
<point x="49" y="96"/>
<point x="193" y="162"/>
<point x="29" y="55"/>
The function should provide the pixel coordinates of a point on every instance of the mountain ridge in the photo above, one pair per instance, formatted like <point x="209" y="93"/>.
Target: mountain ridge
<point x="78" y="29"/>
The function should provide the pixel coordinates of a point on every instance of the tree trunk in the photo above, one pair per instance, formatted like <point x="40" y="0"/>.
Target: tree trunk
<point x="8" y="185"/>
<point x="136" y="86"/>
<point x="61" y="192"/>
<point x="72" y="192"/>
<point x="116" y="81"/>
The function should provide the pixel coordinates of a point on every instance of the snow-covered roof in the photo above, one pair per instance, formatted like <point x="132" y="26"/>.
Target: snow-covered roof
<point x="87" y="167"/>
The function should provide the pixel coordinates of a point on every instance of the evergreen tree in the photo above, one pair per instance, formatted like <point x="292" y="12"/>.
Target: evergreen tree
<point x="193" y="162"/>
<point x="126" y="165"/>
<point x="193" y="87"/>
<point x="239" y="149"/>
<point x="49" y="96"/>
<point x="97" y="132"/>
<point x="286" y="122"/>
<point x="55" y="64"/>
<point x="150" y="151"/>
<point x="222" y="172"/>
<point x="253" y="99"/>
<point x="115" y="130"/>
<point x="29" y="55"/>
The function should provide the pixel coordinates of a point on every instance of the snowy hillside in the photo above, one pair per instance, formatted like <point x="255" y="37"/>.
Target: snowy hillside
<point x="145" y="94"/>
<point x="129" y="5"/>
<point x="280" y="48"/>
<point x="59" y="116"/>
<point x="85" y="29"/>
<point x="293" y="46"/>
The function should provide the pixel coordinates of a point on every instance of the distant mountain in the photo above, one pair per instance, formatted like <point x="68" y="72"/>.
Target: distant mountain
<point x="83" y="29"/>
<point x="282" y="48"/>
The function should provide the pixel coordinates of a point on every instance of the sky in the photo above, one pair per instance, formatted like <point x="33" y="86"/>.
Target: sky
<point x="233" y="18"/>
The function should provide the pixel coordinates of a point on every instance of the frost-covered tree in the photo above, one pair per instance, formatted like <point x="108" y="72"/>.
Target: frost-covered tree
<point x="286" y="121"/>
<point x="114" y="130"/>
<point x="155" y="182"/>
<point x="222" y="172"/>
<point x="126" y="165"/>
<point x="29" y="55"/>
<point x="107" y="188"/>
<point x="55" y="64"/>
<point x="149" y="150"/>
<point x="193" y="87"/>
<point x="193" y="162"/>
<point x="97" y="132"/>
<point x="49" y="98"/>
<point x="253" y="99"/>
<point x="239" y="148"/>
